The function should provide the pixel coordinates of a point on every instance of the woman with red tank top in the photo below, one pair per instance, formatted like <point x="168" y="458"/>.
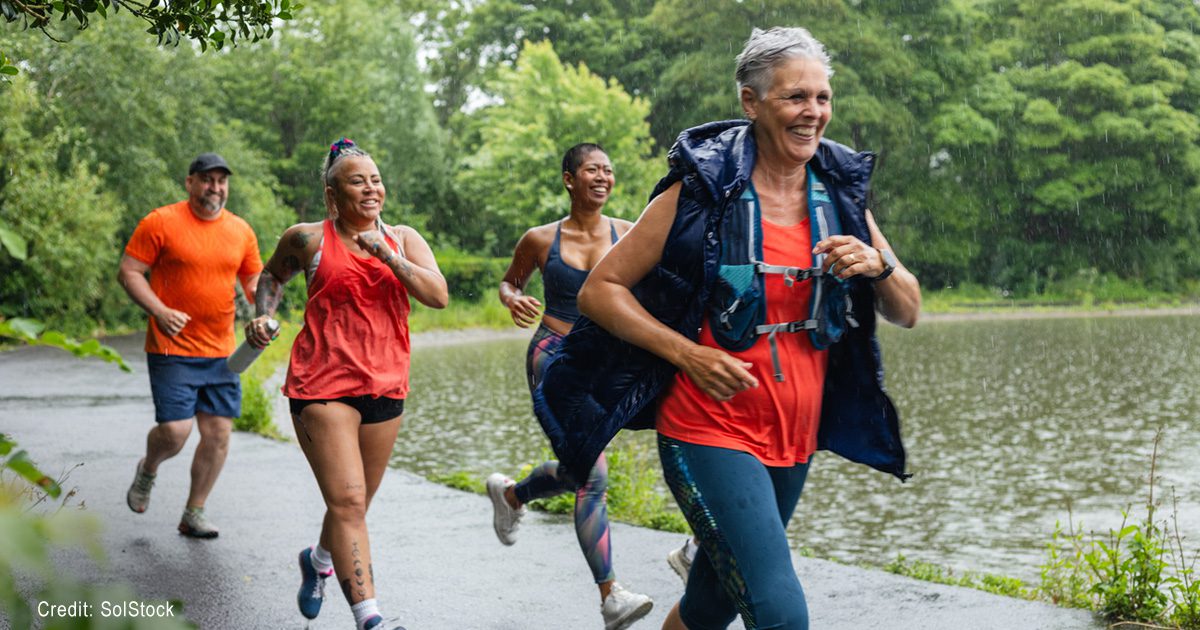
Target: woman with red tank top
<point x="348" y="375"/>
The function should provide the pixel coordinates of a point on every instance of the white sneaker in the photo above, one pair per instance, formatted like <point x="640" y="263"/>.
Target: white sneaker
<point x="681" y="561"/>
<point x="505" y="519"/>
<point x="196" y="524"/>
<point x="621" y="608"/>
<point x="138" y="497"/>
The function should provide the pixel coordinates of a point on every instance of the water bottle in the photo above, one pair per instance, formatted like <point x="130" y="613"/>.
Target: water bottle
<point x="246" y="353"/>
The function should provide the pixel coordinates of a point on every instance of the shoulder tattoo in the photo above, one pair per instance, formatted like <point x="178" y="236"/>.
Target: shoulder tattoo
<point x="300" y="239"/>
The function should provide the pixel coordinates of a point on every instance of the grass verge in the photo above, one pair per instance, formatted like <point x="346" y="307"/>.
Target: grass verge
<point x="1099" y="294"/>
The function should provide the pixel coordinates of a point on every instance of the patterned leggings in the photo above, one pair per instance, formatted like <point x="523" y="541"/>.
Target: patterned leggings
<point x="550" y="479"/>
<point x="739" y="509"/>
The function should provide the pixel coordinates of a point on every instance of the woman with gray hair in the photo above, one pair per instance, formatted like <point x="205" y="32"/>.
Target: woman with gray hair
<point x="744" y="301"/>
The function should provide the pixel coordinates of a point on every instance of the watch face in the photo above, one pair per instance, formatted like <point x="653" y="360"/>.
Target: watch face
<point x="889" y="259"/>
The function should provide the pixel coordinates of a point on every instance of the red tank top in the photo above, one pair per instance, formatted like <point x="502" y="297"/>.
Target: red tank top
<point x="355" y="336"/>
<point x="775" y="422"/>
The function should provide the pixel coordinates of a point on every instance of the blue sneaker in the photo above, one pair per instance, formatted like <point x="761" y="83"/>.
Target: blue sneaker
<point x="312" y="586"/>
<point x="376" y="623"/>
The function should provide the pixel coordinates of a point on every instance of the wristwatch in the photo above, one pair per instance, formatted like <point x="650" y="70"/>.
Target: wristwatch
<point x="889" y="264"/>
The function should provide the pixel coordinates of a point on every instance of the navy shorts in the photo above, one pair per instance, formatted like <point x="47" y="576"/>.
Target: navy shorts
<point x="370" y="408"/>
<point x="183" y="386"/>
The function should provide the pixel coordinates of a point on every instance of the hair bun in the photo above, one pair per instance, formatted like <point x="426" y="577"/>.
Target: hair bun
<point x="341" y="145"/>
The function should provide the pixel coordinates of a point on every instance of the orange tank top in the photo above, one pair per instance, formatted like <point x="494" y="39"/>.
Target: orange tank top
<point x="777" y="421"/>
<point x="355" y="336"/>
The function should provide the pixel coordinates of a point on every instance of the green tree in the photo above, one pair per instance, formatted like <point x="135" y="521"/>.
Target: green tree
<point x="342" y="69"/>
<point x="1080" y="143"/>
<point x="203" y="22"/>
<point x="63" y="216"/>
<point x="471" y="41"/>
<point x="514" y="175"/>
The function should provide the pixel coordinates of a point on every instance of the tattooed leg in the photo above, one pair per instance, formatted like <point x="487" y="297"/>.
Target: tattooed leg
<point x="360" y="584"/>
<point x="334" y="454"/>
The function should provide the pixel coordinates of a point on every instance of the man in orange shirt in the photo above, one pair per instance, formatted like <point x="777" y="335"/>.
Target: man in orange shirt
<point x="193" y="251"/>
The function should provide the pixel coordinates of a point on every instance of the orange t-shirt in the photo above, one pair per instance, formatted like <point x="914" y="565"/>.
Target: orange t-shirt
<point x="775" y="422"/>
<point x="193" y="267"/>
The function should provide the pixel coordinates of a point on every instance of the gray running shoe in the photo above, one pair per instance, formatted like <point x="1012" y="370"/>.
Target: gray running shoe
<point x="196" y="524"/>
<point x="505" y="519"/>
<point x="138" y="496"/>
<point x="621" y="608"/>
<point x="680" y="561"/>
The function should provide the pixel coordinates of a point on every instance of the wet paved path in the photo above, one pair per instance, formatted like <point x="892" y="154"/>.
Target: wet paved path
<point x="437" y="563"/>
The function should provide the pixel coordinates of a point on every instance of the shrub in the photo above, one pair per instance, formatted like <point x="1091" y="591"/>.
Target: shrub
<point x="476" y="278"/>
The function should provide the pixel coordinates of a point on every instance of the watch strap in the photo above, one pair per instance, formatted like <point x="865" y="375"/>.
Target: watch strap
<point x="889" y="264"/>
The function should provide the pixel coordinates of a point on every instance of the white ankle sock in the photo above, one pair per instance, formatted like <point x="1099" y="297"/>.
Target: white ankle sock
<point x="363" y="611"/>
<point x="691" y="548"/>
<point x="322" y="560"/>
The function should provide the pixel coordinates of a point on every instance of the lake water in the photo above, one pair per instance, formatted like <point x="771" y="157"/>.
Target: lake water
<point x="1006" y="422"/>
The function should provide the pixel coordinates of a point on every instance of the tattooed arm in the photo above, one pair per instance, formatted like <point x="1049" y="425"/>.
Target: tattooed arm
<point x="418" y="269"/>
<point x="296" y="248"/>
<point x="414" y="265"/>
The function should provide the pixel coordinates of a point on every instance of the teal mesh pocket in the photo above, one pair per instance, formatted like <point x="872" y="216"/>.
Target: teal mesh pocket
<point x="735" y="308"/>
<point x="738" y="277"/>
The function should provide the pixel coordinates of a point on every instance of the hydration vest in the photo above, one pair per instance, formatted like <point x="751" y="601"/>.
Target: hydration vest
<point x="737" y="310"/>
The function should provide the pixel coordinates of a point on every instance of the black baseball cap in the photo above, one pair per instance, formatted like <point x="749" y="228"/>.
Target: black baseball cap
<point x="207" y="162"/>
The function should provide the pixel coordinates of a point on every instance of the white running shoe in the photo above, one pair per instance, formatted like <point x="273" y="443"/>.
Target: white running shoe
<point x="138" y="496"/>
<point x="681" y="561"/>
<point x="621" y="608"/>
<point x="196" y="524"/>
<point x="505" y="519"/>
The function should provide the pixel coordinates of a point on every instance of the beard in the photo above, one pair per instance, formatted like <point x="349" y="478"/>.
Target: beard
<point x="212" y="203"/>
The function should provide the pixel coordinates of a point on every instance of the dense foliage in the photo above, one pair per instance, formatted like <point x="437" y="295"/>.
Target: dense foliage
<point x="1024" y="145"/>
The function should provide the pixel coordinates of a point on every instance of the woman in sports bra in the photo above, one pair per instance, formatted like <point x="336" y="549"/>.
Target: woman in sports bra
<point x="564" y="252"/>
<point x="348" y="375"/>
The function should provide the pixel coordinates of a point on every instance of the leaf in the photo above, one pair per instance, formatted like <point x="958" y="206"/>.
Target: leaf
<point x="20" y="464"/>
<point x="14" y="243"/>
<point x="22" y="545"/>
<point x="54" y="338"/>
<point x="10" y="70"/>
<point x="28" y="329"/>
